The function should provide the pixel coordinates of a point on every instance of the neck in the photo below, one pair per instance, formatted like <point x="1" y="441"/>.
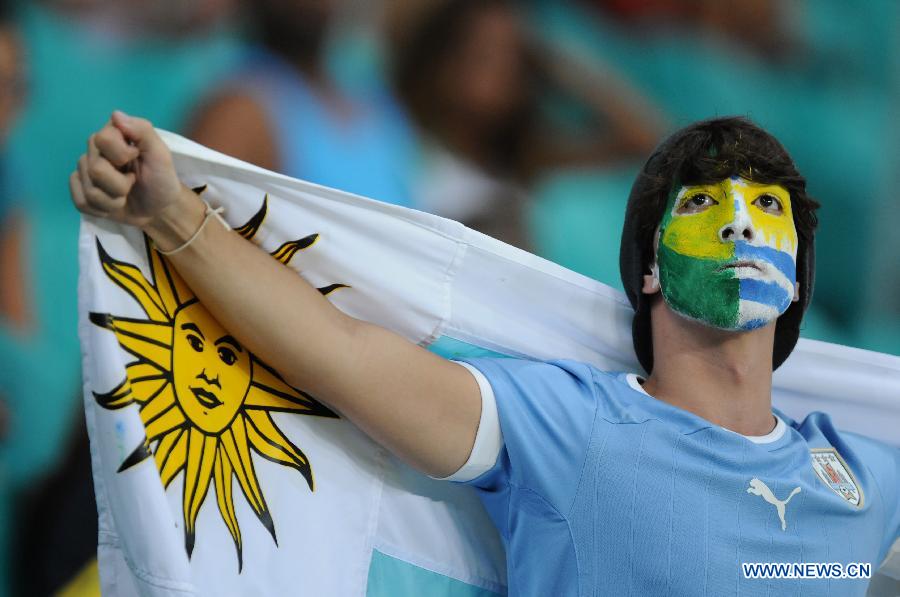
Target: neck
<point x="724" y="377"/>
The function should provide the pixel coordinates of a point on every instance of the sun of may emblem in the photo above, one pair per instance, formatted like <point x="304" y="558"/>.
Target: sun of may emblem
<point x="205" y="401"/>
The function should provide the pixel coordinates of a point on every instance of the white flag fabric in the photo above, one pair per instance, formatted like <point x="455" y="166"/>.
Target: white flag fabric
<point x="279" y="495"/>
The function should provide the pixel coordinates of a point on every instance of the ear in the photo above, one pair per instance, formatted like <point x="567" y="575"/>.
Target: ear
<point x="651" y="281"/>
<point x="796" y="292"/>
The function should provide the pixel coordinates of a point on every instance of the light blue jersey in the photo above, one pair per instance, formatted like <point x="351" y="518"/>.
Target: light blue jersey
<point x="600" y="489"/>
<point x="368" y="151"/>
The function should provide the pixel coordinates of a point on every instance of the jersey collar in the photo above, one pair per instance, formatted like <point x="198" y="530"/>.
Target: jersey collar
<point x="634" y="381"/>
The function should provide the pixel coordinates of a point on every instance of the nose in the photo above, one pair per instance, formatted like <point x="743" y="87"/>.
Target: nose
<point x="736" y="231"/>
<point x="213" y="382"/>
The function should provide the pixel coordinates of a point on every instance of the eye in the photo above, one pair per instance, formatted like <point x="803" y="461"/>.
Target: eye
<point x="227" y="355"/>
<point x="769" y="204"/>
<point x="696" y="203"/>
<point x="195" y="342"/>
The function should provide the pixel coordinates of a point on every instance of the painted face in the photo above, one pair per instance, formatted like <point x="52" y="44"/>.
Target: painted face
<point x="212" y="372"/>
<point x="727" y="253"/>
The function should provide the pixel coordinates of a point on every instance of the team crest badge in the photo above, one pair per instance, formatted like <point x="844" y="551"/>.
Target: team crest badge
<point x="835" y="473"/>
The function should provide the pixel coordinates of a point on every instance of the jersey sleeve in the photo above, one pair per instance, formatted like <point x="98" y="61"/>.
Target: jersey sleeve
<point x="488" y="438"/>
<point x="546" y="413"/>
<point x="884" y="463"/>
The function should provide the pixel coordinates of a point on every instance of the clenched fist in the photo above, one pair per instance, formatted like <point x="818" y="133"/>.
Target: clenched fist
<point x="127" y="176"/>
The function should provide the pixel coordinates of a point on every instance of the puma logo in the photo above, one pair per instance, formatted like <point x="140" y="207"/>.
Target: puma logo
<point x="759" y="488"/>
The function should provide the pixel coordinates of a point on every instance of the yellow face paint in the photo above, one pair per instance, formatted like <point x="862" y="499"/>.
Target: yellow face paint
<point x="695" y="232"/>
<point x="776" y="229"/>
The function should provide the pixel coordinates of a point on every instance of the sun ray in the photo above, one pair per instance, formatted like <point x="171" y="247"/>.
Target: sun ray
<point x="165" y="422"/>
<point x="197" y="475"/>
<point x="146" y="389"/>
<point x="273" y="445"/>
<point x="326" y="290"/>
<point x="225" y="498"/>
<point x="269" y="392"/>
<point x="252" y="226"/>
<point x="171" y="455"/>
<point x="164" y="447"/>
<point x="161" y="401"/>
<point x="173" y="292"/>
<point x="286" y="252"/>
<point x="154" y="332"/>
<point x="144" y="348"/>
<point x="130" y="279"/>
<point x="118" y="397"/>
<point x="138" y="455"/>
<point x="265" y="397"/>
<point x="157" y="333"/>
<point x="137" y="371"/>
<point x="234" y="441"/>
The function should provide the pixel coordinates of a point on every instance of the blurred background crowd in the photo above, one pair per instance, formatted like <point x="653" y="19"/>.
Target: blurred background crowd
<point x="526" y="120"/>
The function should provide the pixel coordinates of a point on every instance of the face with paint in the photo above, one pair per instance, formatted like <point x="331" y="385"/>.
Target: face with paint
<point x="727" y="253"/>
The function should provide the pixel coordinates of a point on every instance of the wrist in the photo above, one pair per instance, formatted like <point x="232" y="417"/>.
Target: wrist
<point x="178" y="221"/>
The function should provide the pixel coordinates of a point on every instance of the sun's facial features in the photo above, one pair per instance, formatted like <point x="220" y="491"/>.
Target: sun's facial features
<point x="205" y="400"/>
<point x="214" y="371"/>
<point x="727" y="253"/>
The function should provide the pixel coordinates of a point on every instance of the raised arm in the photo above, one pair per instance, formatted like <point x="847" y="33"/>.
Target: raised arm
<point x="421" y="407"/>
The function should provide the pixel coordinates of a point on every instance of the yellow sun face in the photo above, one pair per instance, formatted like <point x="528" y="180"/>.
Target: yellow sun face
<point x="205" y="401"/>
<point x="213" y="373"/>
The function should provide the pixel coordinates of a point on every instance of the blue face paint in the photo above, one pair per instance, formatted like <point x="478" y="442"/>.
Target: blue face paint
<point x="766" y="293"/>
<point x="784" y="262"/>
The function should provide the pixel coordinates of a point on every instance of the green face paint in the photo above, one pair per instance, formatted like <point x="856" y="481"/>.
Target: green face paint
<point x="694" y="288"/>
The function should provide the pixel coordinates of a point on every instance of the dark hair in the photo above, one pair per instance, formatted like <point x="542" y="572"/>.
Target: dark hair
<point x="705" y="152"/>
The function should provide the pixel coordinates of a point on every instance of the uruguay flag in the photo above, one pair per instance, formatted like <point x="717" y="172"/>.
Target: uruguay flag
<point x="276" y="494"/>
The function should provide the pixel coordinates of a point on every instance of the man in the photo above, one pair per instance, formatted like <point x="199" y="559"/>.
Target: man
<point x="598" y="482"/>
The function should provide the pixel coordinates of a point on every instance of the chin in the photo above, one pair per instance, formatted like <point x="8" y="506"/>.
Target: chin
<point x="753" y="322"/>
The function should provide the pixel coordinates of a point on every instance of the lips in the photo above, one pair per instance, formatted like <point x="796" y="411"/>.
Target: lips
<point x="206" y="398"/>
<point x="737" y="264"/>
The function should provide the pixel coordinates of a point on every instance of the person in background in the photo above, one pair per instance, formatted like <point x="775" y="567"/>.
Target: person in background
<point x="15" y="314"/>
<point x="15" y="309"/>
<point x="472" y="80"/>
<point x="284" y="111"/>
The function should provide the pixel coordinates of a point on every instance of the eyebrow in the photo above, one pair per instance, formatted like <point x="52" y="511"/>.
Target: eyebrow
<point x="229" y="340"/>
<point x="773" y="189"/>
<point x="192" y="327"/>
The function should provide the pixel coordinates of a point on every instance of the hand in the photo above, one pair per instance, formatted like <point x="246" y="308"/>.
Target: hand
<point x="127" y="174"/>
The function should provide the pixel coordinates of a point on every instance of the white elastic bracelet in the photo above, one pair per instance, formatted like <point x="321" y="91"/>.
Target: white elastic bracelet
<point x="210" y="211"/>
